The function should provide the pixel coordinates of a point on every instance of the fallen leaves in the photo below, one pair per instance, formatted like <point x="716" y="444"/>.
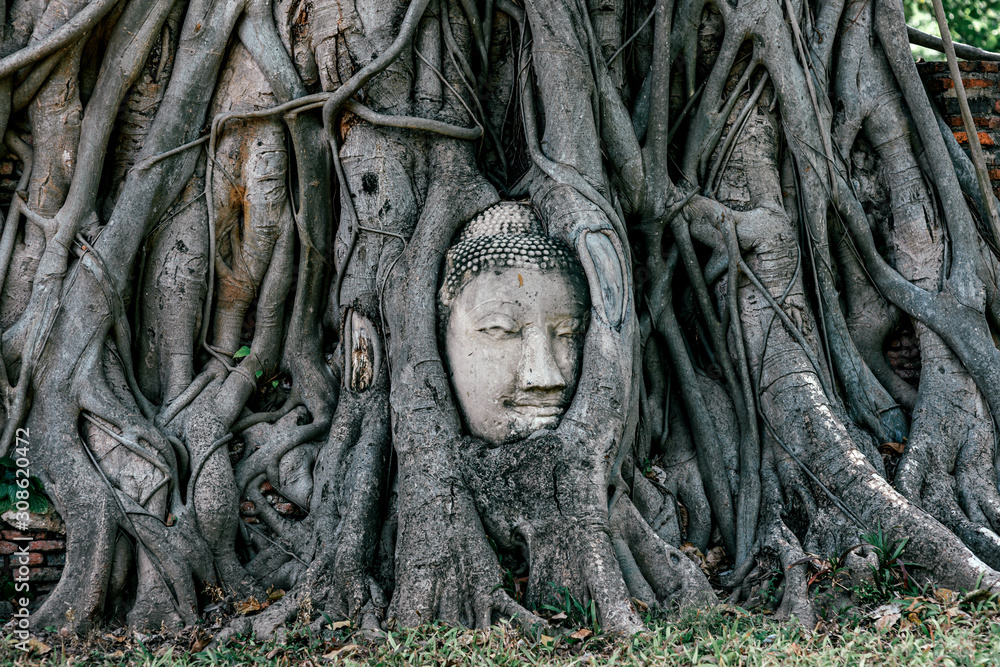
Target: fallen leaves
<point x="201" y="640"/>
<point x="709" y="563"/>
<point x="894" y="447"/>
<point x="946" y="596"/>
<point x="346" y="648"/>
<point x="248" y="606"/>
<point x="38" y="647"/>
<point x="885" y="616"/>
<point x="252" y="605"/>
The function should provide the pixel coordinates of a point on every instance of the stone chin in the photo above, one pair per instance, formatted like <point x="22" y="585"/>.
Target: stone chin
<point x="525" y="422"/>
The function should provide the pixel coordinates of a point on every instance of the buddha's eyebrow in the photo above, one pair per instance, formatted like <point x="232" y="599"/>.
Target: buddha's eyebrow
<point x="566" y="317"/>
<point x="489" y="302"/>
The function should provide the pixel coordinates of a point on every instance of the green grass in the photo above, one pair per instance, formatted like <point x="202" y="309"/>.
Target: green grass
<point x="932" y="633"/>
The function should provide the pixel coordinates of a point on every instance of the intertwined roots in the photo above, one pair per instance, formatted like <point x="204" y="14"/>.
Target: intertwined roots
<point x="220" y="269"/>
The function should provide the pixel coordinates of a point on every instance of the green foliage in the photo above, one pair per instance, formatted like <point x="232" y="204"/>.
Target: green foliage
<point x="8" y="590"/>
<point x="973" y="22"/>
<point x="892" y="574"/>
<point x="646" y="466"/>
<point x="721" y="635"/>
<point x="561" y="605"/>
<point x="242" y="352"/>
<point x="37" y="502"/>
<point x="831" y="572"/>
<point x="512" y="584"/>
<point x="769" y="589"/>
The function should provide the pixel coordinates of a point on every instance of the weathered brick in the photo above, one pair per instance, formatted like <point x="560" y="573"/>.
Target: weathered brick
<point x="972" y="66"/>
<point x="932" y="67"/>
<point x="7" y="547"/>
<point x="979" y="106"/>
<point x="14" y="534"/>
<point x="34" y="559"/>
<point x="984" y="138"/>
<point x="943" y="84"/>
<point x="47" y="545"/>
<point x="56" y="559"/>
<point x="980" y="121"/>
<point x="43" y="574"/>
<point x="938" y="85"/>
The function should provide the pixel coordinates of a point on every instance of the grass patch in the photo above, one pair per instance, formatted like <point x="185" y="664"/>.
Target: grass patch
<point x="905" y="631"/>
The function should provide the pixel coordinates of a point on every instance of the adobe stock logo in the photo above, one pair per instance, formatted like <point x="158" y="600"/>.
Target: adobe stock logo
<point x="19" y="559"/>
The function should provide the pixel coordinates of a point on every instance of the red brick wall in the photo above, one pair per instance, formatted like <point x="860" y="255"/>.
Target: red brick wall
<point x="46" y="559"/>
<point x="46" y="556"/>
<point x="982" y="86"/>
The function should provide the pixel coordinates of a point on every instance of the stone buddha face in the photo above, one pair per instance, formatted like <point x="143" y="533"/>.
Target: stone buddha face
<point x="515" y="307"/>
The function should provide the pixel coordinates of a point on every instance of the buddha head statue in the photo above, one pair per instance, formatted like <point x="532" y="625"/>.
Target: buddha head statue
<point x="513" y="308"/>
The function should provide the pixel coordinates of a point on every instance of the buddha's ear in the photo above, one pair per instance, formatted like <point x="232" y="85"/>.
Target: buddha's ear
<point x="605" y="264"/>
<point x="363" y="352"/>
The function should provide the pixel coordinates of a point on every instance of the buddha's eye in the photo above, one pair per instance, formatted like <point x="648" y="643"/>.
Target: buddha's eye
<point x="571" y="328"/>
<point x="499" y="327"/>
<point x="500" y="332"/>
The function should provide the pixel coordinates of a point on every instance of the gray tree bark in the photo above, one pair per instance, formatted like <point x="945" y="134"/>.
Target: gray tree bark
<point x="219" y="277"/>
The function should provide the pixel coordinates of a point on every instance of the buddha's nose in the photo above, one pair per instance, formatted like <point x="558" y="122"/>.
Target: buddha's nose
<point x="538" y="369"/>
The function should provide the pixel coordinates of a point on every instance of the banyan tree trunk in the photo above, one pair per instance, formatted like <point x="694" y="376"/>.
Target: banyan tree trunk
<point x="221" y="327"/>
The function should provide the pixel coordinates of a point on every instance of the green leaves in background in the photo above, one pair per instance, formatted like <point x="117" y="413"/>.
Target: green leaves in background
<point x="37" y="502"/>
<point x="973" y="22"/>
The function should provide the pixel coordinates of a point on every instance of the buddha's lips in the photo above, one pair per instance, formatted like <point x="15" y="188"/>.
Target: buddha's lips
<point x="534" y="410"/>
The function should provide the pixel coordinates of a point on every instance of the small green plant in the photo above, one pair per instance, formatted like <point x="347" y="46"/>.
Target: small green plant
<point x="981" y="602"/>
<point x="769" y="590"/>
<point x="37" y="502"/>
<point x="838" y="565"/>
<point x="8" y="591"/>
<point x="829" y="572"/>
<point x="890" y="576"/>
<point x="647" y="467"/>
<point x="561" y="605"/>
<point x="512" y="584"/>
